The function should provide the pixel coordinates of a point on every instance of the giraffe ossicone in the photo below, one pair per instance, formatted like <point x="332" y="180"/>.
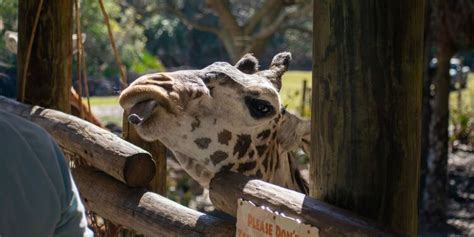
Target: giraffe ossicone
<point x="222" y="117"/>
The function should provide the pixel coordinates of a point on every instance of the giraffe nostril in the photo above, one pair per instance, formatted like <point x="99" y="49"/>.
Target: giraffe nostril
<point x="135" y="119"/>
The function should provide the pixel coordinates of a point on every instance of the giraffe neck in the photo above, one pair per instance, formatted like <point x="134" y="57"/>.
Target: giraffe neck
<point x="266" y="161"/>
<point x="280" y="167"/>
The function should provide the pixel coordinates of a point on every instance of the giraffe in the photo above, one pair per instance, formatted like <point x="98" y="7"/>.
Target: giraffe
<point x="222" y="118"/>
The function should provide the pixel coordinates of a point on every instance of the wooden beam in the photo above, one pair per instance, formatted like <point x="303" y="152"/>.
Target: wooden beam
<point x="99" y="147"/>
<point x="227" y="187"/>
<point x="366" y="120"/>
<point x="146" y="212"/>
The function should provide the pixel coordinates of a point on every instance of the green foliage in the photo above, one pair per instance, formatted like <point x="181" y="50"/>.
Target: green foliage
<point x="129" y="37"/>
<point x="178" y="45"/>
<point x="8" y="17"/>
<point x="462" y="111"/>
<point x="147" y="62"/>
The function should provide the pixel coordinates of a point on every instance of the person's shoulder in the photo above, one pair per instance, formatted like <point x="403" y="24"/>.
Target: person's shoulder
<point x="13" y="125"/>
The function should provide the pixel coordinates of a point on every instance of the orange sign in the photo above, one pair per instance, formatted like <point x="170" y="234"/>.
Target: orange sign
<point x="253" y="221"/>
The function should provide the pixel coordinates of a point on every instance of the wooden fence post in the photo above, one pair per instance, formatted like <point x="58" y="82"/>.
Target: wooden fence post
<point x="303" y="97"/>
<point x="156" y="149"/>
<point x="367" y="73"/>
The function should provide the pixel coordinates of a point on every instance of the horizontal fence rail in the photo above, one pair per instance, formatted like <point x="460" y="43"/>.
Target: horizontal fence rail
<point x="97" y="146"/>
<point x="227" y="187"/>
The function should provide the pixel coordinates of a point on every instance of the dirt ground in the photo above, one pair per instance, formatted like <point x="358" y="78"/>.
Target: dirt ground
<point x="461" y="193"/>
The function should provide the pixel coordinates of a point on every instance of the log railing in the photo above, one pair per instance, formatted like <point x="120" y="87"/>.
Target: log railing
<point x="226" y="188"/>
<point x="97" y="146"/>
<point x="118" y="194"/>
<point x="148" y="213"/>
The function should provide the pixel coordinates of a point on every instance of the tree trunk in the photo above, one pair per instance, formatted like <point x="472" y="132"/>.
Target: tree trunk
<point x="426" y="110"/>
<point x="48" y="80"/>
<point x="368" y="62"/>
<point x="436" y="180"/>
<point x="230" y="45"/>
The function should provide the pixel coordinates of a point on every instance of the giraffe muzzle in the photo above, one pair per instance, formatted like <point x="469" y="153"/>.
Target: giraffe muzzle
<point x="141" y="111"/>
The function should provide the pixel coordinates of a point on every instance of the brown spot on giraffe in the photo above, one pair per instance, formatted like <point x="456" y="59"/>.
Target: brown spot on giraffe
<point x="265" y="163"/>
<point x="195" y="124"/>
<point x="264" y="134"/>
<point x="270" y="161"/>
<point x="227" y="167"/>
<point x="251" y="153"/>
<point x="261" y="149"/>
<point x="274" y="135"/>
<point x="218" y="156"/>
<point x="224" y="137"/>
<point x="247" y="166"/>
<point x="203" y="142"/>
<point x="198" y="94"/>
<point x="242" y="145"/>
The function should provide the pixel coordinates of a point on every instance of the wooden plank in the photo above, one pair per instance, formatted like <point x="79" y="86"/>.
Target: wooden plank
<point x="227" y="187"/>
<point x="98" y="147"/>
<point x="146" y="212"/>
<point x="366" y="120"/>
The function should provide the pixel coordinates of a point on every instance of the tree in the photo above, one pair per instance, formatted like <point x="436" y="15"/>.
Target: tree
<point x="452" y="30"/>
<point x="129" y="37"/>
<point x="242" y="29"/>
<point x="48" y="78"/>
<point x="367" y="66"/>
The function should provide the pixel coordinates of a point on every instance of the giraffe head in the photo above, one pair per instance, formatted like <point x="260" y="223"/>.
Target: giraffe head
<point x="223" y="117"/>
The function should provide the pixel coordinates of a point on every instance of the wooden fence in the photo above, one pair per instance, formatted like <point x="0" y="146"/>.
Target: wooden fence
<point x="113" y="186"/>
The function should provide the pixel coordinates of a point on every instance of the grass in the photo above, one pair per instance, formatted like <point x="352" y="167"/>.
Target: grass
<point x="292" y="88"/>
<point x="467" y="96"/>
<point x="103" y="100"/>
<point x="461" y="111"/>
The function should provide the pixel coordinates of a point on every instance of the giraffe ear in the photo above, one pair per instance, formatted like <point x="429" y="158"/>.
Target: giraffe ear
<point x="294" y="132"/>
<point x="278" y="67"/>
<point x="280" y="63"/>
<point x="247" y="64"/>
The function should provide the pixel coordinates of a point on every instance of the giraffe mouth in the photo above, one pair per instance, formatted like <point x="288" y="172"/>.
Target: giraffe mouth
<point x="142" y="111"/>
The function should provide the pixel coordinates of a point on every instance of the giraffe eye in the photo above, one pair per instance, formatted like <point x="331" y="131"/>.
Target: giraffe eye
<point x="259" y="108"/>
